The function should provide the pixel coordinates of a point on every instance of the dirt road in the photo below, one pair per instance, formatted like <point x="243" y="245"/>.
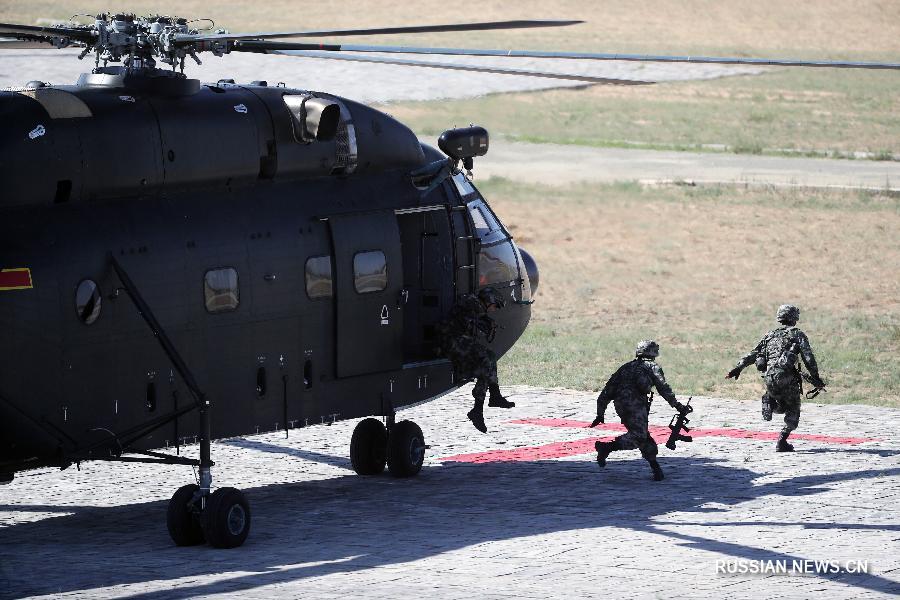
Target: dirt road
<point x="560" y="165"/>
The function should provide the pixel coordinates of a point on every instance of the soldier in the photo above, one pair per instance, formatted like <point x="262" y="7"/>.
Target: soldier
<point x="628" y="389"/>
<point x="459" y="336"/>
<point x="776" y="356"/>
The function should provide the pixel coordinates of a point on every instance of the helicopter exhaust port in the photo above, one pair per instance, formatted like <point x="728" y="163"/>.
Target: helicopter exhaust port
<point x="464" y="144"/>
<point x="315" y="119"/>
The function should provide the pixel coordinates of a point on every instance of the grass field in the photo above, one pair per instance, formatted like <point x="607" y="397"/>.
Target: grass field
<point x="702" y="270"/>
<point x="812" y="113"/>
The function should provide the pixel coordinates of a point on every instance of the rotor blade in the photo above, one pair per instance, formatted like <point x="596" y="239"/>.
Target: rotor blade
<point x="182" y="38"/>
<point x="35" y="31"/>
<point x="24" y="45"/>
<point x="250" y="45"/>
<point x="456" y="67"/>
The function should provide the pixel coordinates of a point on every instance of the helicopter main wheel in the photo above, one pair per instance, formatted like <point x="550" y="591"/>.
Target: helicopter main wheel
<point x="226" y="518"/>
<point x="406" y="449"/>
<point x="181" y="519"/>
<point x="368" y="447"/>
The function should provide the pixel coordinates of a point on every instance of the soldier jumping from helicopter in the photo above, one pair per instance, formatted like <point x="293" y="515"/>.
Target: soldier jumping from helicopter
<point x="628" y="389"/>
<point x="460" y="337"/>
<point x="777" y="356"/>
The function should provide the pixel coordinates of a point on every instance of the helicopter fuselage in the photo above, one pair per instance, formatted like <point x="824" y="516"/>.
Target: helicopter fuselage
<point x="299" y="279"/>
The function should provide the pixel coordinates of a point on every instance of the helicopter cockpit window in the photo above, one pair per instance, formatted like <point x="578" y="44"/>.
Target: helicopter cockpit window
<point x="318" y="277"/>
<point x="497" y="264"/>
<point x="220" y="288"/>
<point x="481" y="226"/>
<point x="87" y="301"/>
<point x="487" y="228"/>
<point x="369" y="272"/>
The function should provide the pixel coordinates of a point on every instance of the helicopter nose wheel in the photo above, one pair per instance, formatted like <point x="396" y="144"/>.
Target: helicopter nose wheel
<point x="401" y="446"/>
<point x="406" y="449"/>
<point x="368" y="447"/>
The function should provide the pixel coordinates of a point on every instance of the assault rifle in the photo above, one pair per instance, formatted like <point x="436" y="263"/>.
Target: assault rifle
<point x="678" y="424"/>
<point x="817" y="383"/>
<point x="818" y="386"/>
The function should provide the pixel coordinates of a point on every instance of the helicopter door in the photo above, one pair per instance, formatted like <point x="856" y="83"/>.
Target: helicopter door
<point x="368" y="291"/>
<point x="427" y="277"/>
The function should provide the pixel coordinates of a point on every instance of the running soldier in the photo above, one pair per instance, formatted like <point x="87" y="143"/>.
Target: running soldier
<point x="777" y="356"/>
<point x="460" y="336"/>
<point x="628" y="389"/>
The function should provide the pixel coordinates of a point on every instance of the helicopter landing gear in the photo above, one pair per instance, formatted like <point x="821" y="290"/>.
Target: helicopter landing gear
<point x="406" y="449"/>
<point x="222" y="518"/>
<point x="368" y="447"/>
<point x="400" y="445"/>
<point x="224" y="523"/>
<point x="182" y="517"/>
<point x="226" y="518"/>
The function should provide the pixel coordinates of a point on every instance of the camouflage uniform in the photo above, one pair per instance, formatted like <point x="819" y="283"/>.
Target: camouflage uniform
<point x="460" y="336"/>
<point x="628" y="389"/>
<point x="777" y="356"/>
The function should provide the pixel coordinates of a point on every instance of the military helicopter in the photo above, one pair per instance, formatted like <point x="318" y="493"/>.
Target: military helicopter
<point x="265" y="257"/>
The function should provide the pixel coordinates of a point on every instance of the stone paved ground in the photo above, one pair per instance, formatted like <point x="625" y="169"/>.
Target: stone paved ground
<point x="522" y="512"/>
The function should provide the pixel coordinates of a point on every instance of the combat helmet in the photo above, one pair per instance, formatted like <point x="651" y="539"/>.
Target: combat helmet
<point x="788" y="314"/>
<point x="490" y="296"/>
<point x="647" y="349"/>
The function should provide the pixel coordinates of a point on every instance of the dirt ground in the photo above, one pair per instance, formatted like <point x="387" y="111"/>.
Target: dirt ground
<point x="703" y="271"/>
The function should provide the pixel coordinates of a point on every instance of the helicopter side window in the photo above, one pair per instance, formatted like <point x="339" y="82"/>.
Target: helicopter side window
<point x="220" y="288"/>
<point x="369" y="272"/>
<point x="87" y="302"/>
<point x="318" y="277"/>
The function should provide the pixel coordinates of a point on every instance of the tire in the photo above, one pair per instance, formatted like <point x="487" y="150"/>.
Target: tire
<point x="184" y="527"/>
<point x="406" y="449"/>
<point x="368" y="447"/>
<point x="226" y="518"/>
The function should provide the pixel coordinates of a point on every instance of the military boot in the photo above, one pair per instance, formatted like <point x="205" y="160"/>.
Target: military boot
<point x="783" y="445"/>
<point x="604" y="449"/>
<point x="658" y="474"/>
<point x="497" y="399"/>
<point x="477" y="417"/>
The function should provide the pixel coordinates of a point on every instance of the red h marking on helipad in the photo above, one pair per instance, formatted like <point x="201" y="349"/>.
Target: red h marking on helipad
<point x="586" y="446"/>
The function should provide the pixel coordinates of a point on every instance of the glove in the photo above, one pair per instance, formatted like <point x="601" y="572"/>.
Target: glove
<point x="817" y="383"/>
<point x="681" y="408"/>
<point x="734" y="373"/>
<point x="598" y="420"/>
